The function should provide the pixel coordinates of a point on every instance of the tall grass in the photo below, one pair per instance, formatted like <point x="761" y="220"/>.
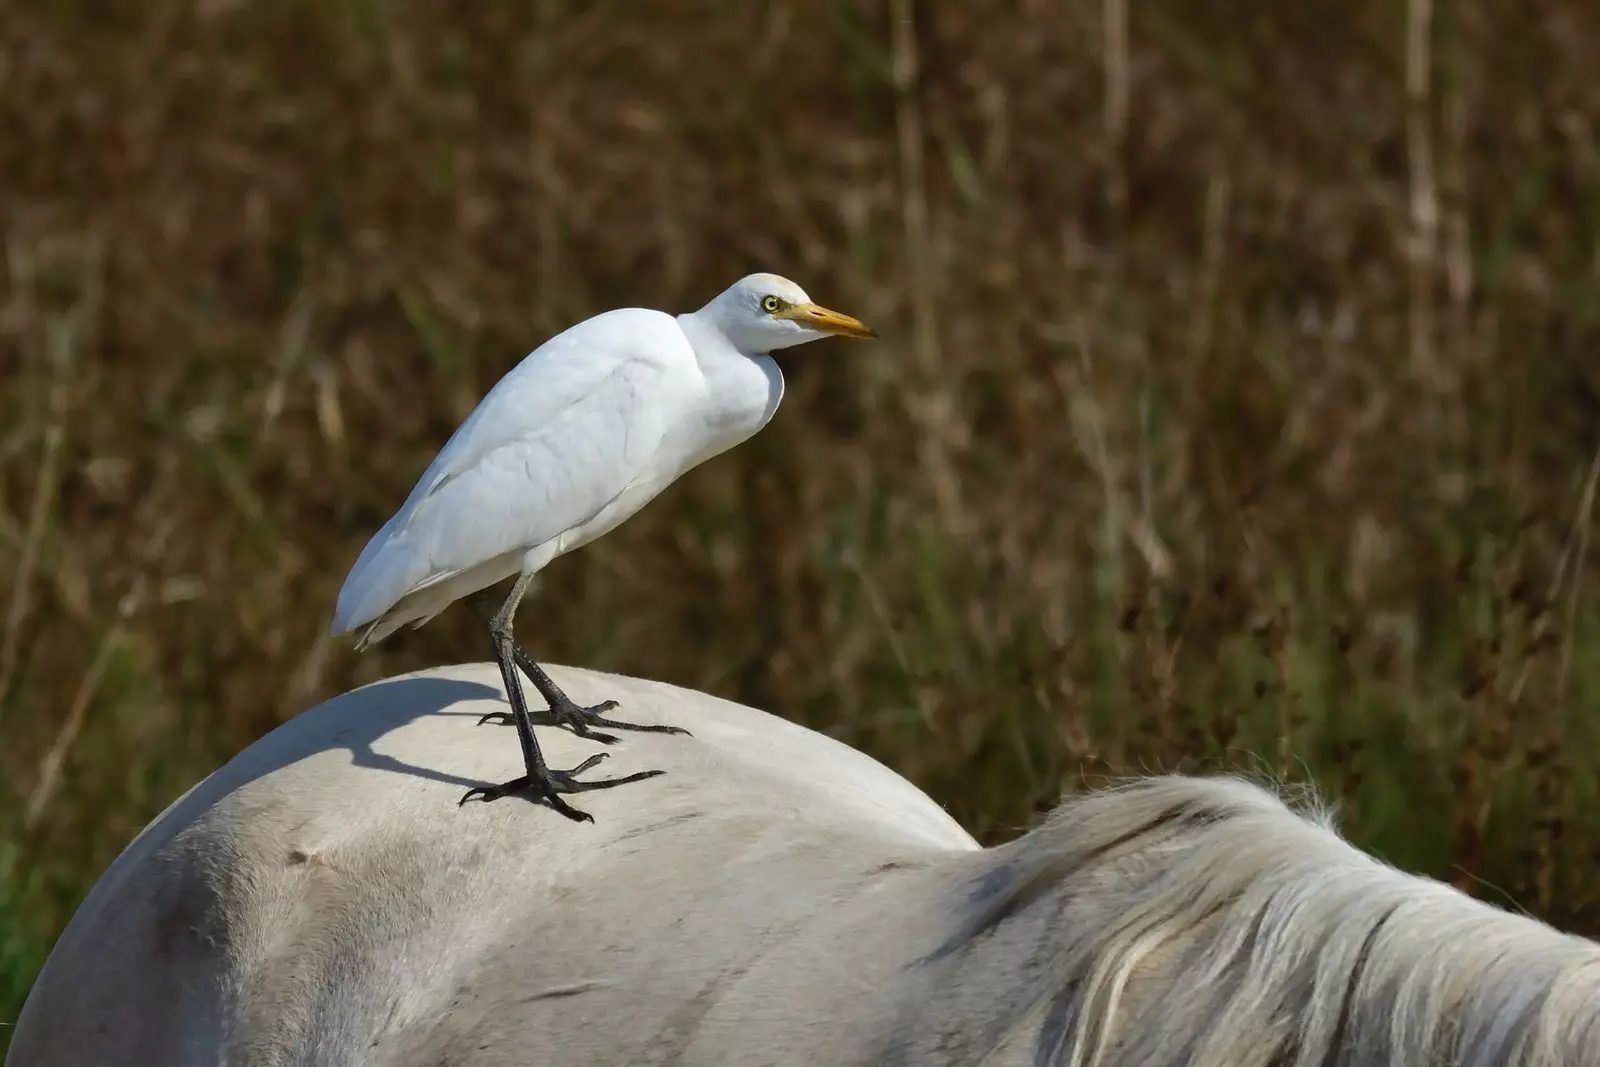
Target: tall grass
<point x="1237" y="403"/>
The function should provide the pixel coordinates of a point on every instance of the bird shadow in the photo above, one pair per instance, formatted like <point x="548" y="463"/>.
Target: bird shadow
<point x="353" y="722"/>
<point x="411" y="699"/>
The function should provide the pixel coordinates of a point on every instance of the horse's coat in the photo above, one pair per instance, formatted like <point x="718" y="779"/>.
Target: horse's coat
<point x="775" y="898"/>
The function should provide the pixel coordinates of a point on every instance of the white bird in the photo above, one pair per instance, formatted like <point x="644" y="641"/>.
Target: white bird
<point x="581" y="434"/>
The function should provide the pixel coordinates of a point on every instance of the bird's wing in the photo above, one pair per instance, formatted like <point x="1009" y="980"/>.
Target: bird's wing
<point x="562" y="434"/>
<point x="550" y="379"/>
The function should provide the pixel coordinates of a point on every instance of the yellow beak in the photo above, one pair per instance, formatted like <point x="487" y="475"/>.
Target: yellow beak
<point x="820" y="318"/>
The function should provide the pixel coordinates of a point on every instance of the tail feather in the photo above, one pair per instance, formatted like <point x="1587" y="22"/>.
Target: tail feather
<point x="376" y="582"/>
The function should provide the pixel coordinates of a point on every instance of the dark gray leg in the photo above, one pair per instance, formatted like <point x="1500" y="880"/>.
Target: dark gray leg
<point x="564" y="711"/>
<point x="540" y="781"/>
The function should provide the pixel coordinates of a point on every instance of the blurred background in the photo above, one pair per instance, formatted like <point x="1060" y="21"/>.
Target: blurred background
<point x="1237" y="405"/>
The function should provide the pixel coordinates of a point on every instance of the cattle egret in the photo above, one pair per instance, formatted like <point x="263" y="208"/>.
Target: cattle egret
<point x="585" y="431"/>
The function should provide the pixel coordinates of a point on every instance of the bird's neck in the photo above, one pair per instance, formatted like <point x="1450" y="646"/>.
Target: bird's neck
<point x="710" y="342"/>
<point x="742" y="388"/>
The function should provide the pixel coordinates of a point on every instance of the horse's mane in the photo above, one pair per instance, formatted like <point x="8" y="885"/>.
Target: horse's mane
<point x="1204" y="922"/>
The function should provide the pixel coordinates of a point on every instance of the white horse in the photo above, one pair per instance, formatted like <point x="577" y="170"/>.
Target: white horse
<point x="775" y="898"/>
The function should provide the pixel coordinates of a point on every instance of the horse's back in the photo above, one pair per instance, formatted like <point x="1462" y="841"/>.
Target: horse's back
<point x="323" y="899"/>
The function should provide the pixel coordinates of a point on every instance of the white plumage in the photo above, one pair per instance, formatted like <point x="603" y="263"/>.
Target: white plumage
<point x="580" y="435"/>
<point x="584" y="418"/>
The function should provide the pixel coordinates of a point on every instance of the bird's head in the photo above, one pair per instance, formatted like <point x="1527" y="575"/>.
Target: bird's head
<point x="763" y="312"/>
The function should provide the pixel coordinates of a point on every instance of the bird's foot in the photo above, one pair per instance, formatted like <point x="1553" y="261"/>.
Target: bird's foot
<point x="548" y="785"/>
<point x="582" y="720"/>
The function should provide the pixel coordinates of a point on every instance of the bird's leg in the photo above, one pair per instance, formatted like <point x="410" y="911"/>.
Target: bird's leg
<point x="563" y="709"/>
<point x="540" y="780"/>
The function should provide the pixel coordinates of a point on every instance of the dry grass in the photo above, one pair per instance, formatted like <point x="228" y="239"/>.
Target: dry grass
<point x="1238" y="402"/>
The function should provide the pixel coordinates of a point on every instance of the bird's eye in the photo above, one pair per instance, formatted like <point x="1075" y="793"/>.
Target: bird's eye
<point x="771" y="304"/>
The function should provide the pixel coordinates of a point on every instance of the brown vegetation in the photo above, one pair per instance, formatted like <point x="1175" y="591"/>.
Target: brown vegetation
<point x="1238" y="403"/>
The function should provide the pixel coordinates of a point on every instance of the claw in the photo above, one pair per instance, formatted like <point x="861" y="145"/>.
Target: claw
<point x="583" y="731"/>
<point x="582" y="720"/>
<point x="549" y="786"/>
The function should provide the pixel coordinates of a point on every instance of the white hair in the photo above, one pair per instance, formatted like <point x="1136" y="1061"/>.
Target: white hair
<point x="1204" y="923"/>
